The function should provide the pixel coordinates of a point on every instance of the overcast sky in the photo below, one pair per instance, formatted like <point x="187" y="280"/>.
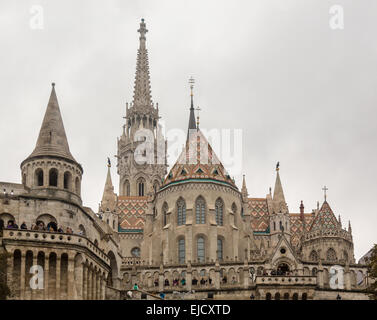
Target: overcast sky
<point x="303" y="93"/>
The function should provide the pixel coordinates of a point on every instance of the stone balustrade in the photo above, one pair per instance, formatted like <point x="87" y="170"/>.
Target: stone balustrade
<point x="54" y="237"/>
<point x="286" y="280"/>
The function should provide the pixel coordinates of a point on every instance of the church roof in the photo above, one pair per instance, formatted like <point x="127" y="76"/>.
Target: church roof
<point x="52" y="139"/>
<point x="297" y="226"/>
<point x="131" y="213"/>
<point x="198" y="161"/>
<point x="258" y="209"/>
<point x="325" y="219"/>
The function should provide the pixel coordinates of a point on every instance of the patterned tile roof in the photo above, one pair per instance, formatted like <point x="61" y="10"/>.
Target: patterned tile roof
<point x="198" y="161"/>
<point x="325" y="219"/>
<point x="258" y="210"/>
<point x="297" y="226"/>
<point x="131" y="213"/>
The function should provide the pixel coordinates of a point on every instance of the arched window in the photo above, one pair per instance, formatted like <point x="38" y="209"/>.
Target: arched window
<point x="219" y="249"/>
<point x="53" y="177"/>
<point x="82" y="230"/>
<point x="268" y="296"/>
<point x="67" y="180"/>
<point x="331" y="255"/>
<point x="314" y="272"/>
<point x="181" y="251"/>
<point x="141" y="187"/>
<point x="181" y="210"/>
<point x="295" y="296"/>
<point x="96" y="242"/>
<point x="39" y="177"/>
<point x="135" y="252"/>
<point x="127" y="188"/>
<point x="77" y="185"/>
<point x="113" y="224"/>
<point x="219" y="208"/>
<point x="200" y="249"/>
<point x="313" y="256"/>
<point x="277" y="296"/>
<point x="304" y="296"/>
<point x="286" y="296"/>
<point x="200" y="211"/>
<point x="274" y="226"/>
<point x="165" y="214"/>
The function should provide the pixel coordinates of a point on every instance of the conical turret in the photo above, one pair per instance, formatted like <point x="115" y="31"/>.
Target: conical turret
<point x="244" y="189"/>
<point x="109" y="198"/>
<point x="52" y="139"/>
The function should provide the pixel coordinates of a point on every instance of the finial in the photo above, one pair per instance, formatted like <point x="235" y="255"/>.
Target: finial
<point x="197" y="117"/>
<point x="53" y="84"/>
<point x="108" y="162"/>
<point x="277" y="166"/>
<point x="191" y="82"/>
<point x="325" y="189"/>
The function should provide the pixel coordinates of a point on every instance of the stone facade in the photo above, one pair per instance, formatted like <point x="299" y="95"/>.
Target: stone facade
<point x="191" y="233"/>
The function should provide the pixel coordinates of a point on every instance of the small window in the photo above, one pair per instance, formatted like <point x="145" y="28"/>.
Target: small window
<point x="53" y="178"/>
<point x="135" y="252"/>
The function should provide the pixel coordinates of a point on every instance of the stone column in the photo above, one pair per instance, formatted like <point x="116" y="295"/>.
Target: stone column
<point x="103" y="288"/>
<point x="10" y="268"/>
<point x="161" y="281"/>
<point x="22" y="275"/>
<point x="246" y="276"/>
<point x="57" y="287"/>
<point x="89" y="287"/>
<point x="93" y="280"/>
<point x="85" y="282"/>
<point x="33" y="292"/>
<point x="189" y="277"/>
<point x="46" y="277"/>
<point x="71" y="278"/>
<point x="98" y="286"/>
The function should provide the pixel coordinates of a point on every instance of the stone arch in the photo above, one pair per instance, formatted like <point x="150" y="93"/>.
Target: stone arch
<point x="304" y="296"/>
<point x="200" y="210"/>
<point x="38" y="177"/>
<point x="82" y="230"/>
<point x="141" y="187"/>
<point x="126" y="188"/>
<point x="286" y="296"/>
<point x="164" y="211"/>
<point x="6" y="218"/>
<point x="67" y="183"/>
<point x="28" y="264"/>
<point x="277" y="296"/>
<point x="64" y="276"/>
<point x="219" y="211"/>
<point x="268" y="296"/>
<point x="52" y="259"/>
<point x="314" y="272"/>
<point x="113" y="274"/>
<point x="313" y="256"/>
<point x="53" y="177"/>
<point x="78" y="185"/>
<point x="331" y="255"/>
<point x="295" y="296"/>
<point x="16" y="273"/>
<point x="47" y="220"/>
<point x="181" y="211"/>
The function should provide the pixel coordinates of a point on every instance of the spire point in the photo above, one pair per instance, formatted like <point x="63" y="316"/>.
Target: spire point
<point x="277" y="166"/>
<point x="53" y="84"/>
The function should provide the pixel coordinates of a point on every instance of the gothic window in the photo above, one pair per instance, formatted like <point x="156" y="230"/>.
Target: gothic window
<point x="113" y="224"/>
<point x="345" y="255"/>
<point x="181" y="212"/>
<point x="53" y="177"/>
<point x="313" y="256"/>
<point x="181" y="251"/>
<point x="219" y="249"/>
<point x="274" y="226"/>
<point x="314" y="272"/>
<point x="135" y="252"/>
<point x="141" y="187"/>
<point x="200" y="249"/>
<point x="127" y="189"/>
<point x="331" y="255"/>
<point x="280" y="225"/>
<point x="219" y="208"/>
<point x="156" y="186"/>
<point x="67" y="180"/>
<point x="165" y="214"/>
<point x="200" y="211"/>
<point x="39" y="177"/>
<point x="234" y="208"/>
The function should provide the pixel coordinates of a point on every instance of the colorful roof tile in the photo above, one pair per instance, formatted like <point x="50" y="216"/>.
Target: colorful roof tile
<point x="132" y="213"/>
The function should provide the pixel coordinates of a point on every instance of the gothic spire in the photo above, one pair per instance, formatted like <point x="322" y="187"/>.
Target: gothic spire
<point x="52" y="140"/>
<point x="244" y="189"/>
<point x="278" y="198"/>
<point x="142" y="87"/>
<point x="108" y="202"/>
<point x="192" y="123"/>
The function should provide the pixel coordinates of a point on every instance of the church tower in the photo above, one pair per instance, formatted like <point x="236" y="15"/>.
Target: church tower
<point x="279" y="215"/>
<point x="141" y="147"/>
<point x="51" y="170"/>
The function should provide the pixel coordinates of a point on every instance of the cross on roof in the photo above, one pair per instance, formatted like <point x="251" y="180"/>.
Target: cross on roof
<point x="325" y="189"/>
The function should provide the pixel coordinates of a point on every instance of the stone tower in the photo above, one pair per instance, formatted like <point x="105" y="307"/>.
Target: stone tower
<point x="51" y="170"/>
<point x="142" y="147"/>
<point x="279" y="214"/>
